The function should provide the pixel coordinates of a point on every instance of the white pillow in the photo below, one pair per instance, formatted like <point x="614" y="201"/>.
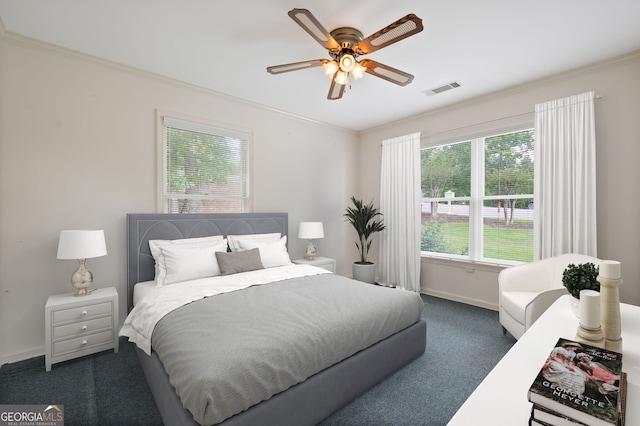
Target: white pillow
<point x="271" y="253"/>
<point x="156" y="252"/>
<point x="189" y="262"/>
<point x="235" y="240"/>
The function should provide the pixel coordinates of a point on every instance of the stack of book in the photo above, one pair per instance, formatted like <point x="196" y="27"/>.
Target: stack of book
<point x="579" y="385"/>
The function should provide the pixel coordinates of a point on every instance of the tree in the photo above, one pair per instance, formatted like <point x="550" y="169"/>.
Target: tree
<point x="509" y="168"/>
<point x="445" y="168"/>
<point x="509" y="182"/>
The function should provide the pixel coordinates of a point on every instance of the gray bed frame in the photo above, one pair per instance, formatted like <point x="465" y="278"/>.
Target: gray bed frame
<point x="307" y="403"/>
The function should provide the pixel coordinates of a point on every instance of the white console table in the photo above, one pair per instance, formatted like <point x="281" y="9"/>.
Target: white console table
<point x="501" y="398"/>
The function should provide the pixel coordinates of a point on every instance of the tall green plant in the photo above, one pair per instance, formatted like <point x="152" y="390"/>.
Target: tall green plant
<point x="363" y="219"/>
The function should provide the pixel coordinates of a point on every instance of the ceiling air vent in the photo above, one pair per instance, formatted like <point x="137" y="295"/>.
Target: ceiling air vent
<point x="443" y="88"/>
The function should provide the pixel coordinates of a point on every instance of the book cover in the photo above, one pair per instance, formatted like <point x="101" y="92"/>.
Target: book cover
<point x="581" y="382"/>
<point x="547" y="417"/>
<point x="544" y="417"/>
<point x="534" y="422"/>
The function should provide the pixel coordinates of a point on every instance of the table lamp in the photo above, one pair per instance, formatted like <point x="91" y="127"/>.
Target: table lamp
<point x="81" y="245"/>
<point x="310" y="231"/>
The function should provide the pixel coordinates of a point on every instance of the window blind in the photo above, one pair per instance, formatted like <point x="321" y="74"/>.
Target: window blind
<point x="206" y="169"/>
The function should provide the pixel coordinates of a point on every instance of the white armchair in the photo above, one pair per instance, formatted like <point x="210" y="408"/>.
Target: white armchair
<point x="526" y="291"/>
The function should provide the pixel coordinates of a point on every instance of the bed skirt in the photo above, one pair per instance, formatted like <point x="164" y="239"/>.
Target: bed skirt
<point x="311" y="401"/>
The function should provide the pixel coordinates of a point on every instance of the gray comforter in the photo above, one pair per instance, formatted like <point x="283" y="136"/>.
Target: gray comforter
<point x="228" y="352"/>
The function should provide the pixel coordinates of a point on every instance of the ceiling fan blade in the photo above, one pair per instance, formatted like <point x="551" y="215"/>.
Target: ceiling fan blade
<point x="295" y="66"/>
<point x="335" y="91"/>
<point x="386" y="72"/>
<point x="401" y="29"/>
<point x="310" y="24"/>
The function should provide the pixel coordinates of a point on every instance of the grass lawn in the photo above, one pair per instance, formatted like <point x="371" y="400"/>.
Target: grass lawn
<point x="499" y="242"/>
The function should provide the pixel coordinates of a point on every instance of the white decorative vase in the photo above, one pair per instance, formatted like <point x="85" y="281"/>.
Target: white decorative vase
<point x="365" y="272"/>
<point x="575" y="306"/>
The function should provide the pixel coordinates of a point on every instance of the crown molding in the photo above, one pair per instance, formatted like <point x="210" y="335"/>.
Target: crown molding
<point x="631" y="56"/>
<point x="29" y="42"/>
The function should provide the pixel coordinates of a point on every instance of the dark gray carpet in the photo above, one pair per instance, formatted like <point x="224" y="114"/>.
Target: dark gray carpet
<point x="463" y="345"/>
<point x="100" y="389"/>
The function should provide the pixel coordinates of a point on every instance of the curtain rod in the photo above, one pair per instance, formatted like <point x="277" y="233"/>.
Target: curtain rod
<point x="485" y="122"/>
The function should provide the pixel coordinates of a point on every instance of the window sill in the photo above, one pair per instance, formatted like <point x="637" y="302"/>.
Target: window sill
<point x="466" y="263"/>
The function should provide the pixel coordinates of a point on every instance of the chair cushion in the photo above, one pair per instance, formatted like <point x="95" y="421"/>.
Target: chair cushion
<point x="515" y="302"/>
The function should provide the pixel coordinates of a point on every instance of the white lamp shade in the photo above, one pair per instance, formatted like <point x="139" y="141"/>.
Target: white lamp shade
<point x="310" y="230"/>
<point x="330" y="68"/>
<point x="81" y="244"/>
<point x="358" y="71"/>
<point x="342" y="77"/>
<point x="347" y="62"/>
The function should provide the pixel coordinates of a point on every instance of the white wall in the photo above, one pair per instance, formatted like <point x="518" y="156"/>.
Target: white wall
<point x="78" y="150"/>
<point x="617" y="171"/>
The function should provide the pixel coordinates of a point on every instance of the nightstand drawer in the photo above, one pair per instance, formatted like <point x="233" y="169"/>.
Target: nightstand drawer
<point x="75" y="314"/>
<point x="82" y="327"/>
<point x="82" y="342"/>
<point x="329" y="266"/>
<point x="320" y="262"/>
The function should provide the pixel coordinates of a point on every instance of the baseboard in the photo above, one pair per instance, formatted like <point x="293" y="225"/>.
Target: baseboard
<point x="461" y="299"/>
<point x="11" y="358"/>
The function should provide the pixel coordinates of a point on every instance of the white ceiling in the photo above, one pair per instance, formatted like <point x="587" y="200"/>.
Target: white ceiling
<point x="227" y="45"/>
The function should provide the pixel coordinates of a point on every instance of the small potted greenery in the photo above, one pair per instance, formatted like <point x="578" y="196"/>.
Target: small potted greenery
<point x="364" y="219"/>
<point x="580" y="277"/>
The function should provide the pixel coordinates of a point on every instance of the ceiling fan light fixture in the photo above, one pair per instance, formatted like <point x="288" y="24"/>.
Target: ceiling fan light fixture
<point x="358" y="71"/>
<point x="341" y="78"/>
<point x="330" y="68"/>
<point x="347" y="62"/>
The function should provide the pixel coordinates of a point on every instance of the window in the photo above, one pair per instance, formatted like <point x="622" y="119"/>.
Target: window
<point x="478" y="198"/>
<point x="204" y="169"/>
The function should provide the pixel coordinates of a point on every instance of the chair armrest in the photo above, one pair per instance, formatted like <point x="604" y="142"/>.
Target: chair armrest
<point x="541" y="303"/>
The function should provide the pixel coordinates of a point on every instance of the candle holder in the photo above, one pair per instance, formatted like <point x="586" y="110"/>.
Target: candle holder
<point x="589" y="330"/>
<point x="610" y="282"/>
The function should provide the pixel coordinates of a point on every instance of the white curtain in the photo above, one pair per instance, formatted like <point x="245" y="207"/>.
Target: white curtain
<point x="565" y="177"/>
<point x="400" y="206"/>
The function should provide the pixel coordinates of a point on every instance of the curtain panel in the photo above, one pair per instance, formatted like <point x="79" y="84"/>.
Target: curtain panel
<point x="400" y="206"/>
<point x="565" y="177"/>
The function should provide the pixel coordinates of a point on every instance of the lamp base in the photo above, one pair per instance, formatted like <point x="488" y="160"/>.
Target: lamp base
<point x="310" y="254"/>
<point x="83" y="292"/>
<point x="81" y="279"/>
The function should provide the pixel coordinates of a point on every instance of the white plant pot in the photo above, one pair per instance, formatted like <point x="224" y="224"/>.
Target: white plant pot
<point x="365" y="272"/>
<point x="575" y="306"/>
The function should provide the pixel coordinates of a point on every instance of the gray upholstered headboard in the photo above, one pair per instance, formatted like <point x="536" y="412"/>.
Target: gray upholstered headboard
<point x="160" y="226"/>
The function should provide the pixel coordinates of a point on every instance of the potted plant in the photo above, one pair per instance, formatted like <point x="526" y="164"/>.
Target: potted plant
<point x="364" y="219"/>
<point x="580" y="277"/>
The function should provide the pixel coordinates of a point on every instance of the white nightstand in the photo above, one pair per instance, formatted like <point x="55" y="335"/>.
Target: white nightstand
<point x="82" y="325"/>
<point x="321" y="262"/>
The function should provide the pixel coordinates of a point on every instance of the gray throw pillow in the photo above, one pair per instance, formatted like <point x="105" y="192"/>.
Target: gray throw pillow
<point x="239" y="261"/>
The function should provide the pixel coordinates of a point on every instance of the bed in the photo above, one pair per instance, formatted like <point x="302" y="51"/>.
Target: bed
<point x="307" y="401"/>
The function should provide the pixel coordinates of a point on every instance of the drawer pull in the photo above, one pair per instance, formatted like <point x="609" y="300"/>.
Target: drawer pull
<point x="84" y="313"/>
<point x="84" y="343"/>
<point x="84" y="328"/>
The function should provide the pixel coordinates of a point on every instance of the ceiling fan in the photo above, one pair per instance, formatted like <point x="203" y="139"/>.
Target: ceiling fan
<point x="345" y="44"/>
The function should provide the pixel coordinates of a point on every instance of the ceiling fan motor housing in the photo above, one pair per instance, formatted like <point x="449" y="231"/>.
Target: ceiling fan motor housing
<point x="346" y="37"/>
